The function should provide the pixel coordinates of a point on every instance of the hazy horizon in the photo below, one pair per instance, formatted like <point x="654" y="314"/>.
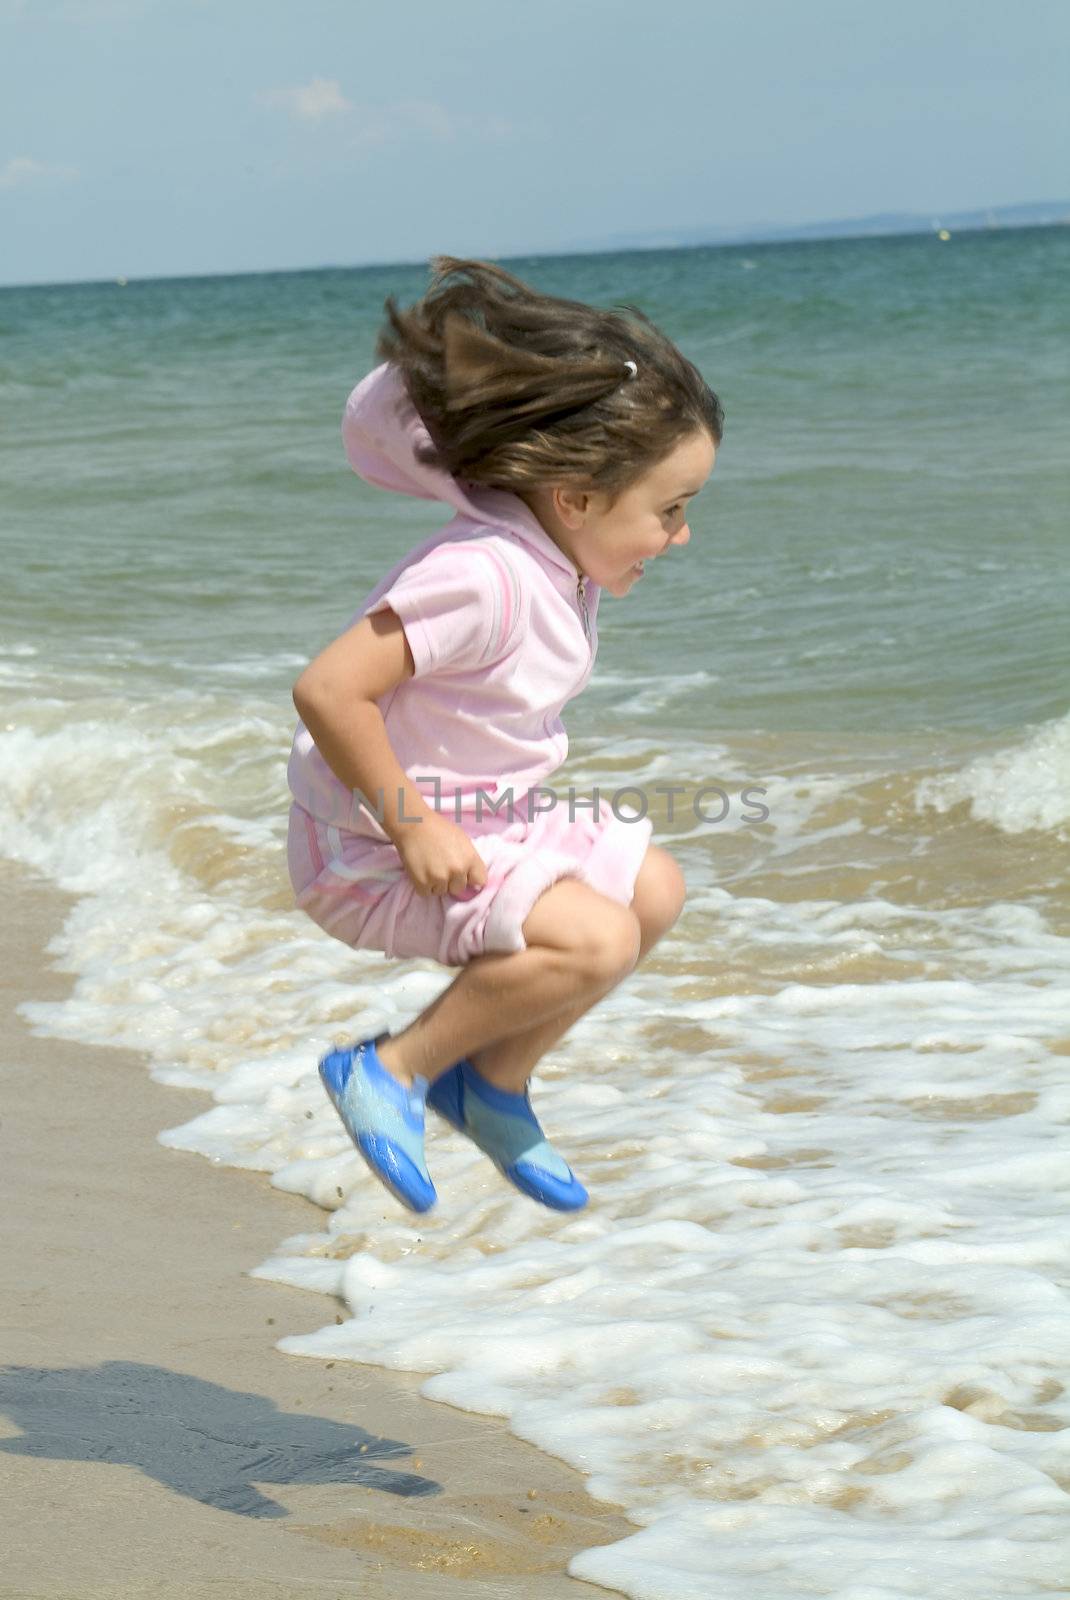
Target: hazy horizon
<point x="593" y="249"/>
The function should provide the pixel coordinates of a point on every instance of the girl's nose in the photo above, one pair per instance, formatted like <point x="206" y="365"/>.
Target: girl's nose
<point x="681" y="536"/>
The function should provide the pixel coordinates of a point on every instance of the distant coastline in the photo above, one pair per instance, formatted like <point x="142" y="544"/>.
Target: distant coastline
<point x="991" y="219"/>
<point x="1038" y="213"/>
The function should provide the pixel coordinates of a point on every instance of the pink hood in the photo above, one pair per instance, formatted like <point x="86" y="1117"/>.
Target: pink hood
<point x="512" y="606"/>
<point x="381" y="429"/>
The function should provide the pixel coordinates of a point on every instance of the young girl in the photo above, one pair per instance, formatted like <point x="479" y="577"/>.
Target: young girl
<point x="569" y="441"/>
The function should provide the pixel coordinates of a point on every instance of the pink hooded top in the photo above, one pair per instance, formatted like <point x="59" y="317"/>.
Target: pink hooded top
<point x="501" y="625"/>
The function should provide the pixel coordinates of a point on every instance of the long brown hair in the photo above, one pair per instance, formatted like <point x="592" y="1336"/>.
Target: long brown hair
<point x="520" y="390"/>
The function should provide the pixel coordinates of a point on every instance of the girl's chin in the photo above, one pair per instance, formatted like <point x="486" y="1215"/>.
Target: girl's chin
<point x="625" y="582"/>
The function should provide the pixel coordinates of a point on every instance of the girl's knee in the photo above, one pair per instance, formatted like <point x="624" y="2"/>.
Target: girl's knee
<point x="595" y="936"/>
<point x="660" y="892"/>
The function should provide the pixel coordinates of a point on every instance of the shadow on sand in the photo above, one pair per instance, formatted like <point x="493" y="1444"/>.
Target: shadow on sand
<point x="199" y="1439"/>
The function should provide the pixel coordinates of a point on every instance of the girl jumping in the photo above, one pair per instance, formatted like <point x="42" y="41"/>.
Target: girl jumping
<point x="568" y="440"/>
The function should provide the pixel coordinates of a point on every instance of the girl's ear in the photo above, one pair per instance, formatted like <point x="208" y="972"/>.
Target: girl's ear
<point x="571" y="505"/>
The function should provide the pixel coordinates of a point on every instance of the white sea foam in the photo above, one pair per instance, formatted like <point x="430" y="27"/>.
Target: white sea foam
<point x="1025" y="786"/>
<point x="809" y="1331"/>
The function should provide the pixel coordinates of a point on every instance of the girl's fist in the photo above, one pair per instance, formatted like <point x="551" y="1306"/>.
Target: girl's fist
<point x="439" y="857"/>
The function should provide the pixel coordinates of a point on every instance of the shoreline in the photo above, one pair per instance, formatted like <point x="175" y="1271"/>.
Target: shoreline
<point x="148" y="1424"/>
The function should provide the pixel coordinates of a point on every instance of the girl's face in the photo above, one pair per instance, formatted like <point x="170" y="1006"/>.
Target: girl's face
<point x="610" y="545"/>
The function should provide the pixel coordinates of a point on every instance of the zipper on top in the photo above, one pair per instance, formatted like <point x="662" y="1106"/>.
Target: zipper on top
<point x="581" y="596"/>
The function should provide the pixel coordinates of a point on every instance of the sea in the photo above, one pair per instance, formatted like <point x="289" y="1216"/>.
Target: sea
<point x="812" y="1331"/>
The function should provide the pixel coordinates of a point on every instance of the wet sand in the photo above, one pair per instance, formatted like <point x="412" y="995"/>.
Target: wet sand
<point x="151" y="1436"/>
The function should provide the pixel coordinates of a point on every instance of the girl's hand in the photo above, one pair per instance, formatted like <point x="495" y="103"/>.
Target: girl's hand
<point x="439" y="857"/>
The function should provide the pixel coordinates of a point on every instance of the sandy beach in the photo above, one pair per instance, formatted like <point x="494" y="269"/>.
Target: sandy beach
<point x="151" y="1435"/>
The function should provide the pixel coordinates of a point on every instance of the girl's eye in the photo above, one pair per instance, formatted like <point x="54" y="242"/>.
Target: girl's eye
<point x="672" y="511"/>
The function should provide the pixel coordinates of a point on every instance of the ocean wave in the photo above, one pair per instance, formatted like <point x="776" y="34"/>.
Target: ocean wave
<point x="1017" y="789"/>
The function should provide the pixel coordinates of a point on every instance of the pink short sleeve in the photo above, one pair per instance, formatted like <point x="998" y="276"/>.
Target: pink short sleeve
<point x="451" y="606"/>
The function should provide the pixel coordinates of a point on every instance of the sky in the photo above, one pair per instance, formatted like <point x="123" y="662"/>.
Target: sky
<point x="154" y="138"/>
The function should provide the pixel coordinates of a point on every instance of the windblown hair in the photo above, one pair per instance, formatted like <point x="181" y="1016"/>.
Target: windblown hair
<point x="520" y="390"/>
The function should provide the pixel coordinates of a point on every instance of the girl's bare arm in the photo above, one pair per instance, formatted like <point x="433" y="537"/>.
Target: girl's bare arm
<point x="335" y="698"/>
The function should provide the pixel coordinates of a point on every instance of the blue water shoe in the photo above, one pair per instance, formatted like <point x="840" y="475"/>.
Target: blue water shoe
<point x="384" y="1119"/>
<point x="504" y="1126"/>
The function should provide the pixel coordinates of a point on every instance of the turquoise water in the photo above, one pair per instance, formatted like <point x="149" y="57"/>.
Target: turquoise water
<point x="821" y="1122"/>
<point x="884" y="534"/>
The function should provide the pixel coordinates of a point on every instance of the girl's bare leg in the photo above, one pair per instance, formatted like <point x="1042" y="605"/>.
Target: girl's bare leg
<point x="509" y="1063"/>
<point x="657" y="902"/>
<point x="579" y="944"/>
<point x="505" y="1011"/>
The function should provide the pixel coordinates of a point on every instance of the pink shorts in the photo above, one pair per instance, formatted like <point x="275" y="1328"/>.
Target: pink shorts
<point x="356" y="888"/>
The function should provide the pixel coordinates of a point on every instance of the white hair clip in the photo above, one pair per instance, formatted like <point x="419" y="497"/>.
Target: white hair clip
<point x="633" y="369"/>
